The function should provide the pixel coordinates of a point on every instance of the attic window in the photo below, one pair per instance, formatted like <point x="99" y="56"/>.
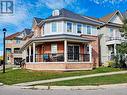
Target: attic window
<point x="55" y="13"/>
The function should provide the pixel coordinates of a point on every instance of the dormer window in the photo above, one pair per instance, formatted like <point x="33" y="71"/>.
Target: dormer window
<point x="55" y="13"/>
<point x="69" y="27"/>
<point x="54" y="27"/>
<point x="79" y="28"/>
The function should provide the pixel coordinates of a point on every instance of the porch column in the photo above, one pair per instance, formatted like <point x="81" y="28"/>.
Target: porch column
<point x="115" y="49"/>
<point x="24" y="54"/>
<point x="33" y="52"/>
<point x="90" y="52"/>
<point x="65" y="51"/>
<point x="29" y="53"/>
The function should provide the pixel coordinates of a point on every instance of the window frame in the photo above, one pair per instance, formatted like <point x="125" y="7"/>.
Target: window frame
<point x="71" y="27"/>
<point x="90" y="29"/>
<point x="55" y="27"/>
<point x="79" y="28"/>
<point x="52" y="48"/>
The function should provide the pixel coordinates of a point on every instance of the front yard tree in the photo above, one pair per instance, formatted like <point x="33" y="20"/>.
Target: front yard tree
<point x="122" y="48"/>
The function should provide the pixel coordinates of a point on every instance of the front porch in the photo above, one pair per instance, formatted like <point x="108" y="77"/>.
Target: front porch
<point x="61" y="54"/>
<point x="59" y="51"/>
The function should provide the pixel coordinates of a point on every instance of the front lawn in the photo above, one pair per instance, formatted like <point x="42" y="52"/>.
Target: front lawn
<point x="21" y="75"/>
<point x="113" y="79"/>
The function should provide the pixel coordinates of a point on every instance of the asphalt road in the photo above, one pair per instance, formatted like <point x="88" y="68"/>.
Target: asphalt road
<point x="12" y="90"/>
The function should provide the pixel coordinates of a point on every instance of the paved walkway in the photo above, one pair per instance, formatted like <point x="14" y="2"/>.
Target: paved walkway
<point x="69" y="78"/>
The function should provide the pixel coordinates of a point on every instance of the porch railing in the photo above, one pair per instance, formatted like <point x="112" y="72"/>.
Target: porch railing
<point x="59" y="57"/>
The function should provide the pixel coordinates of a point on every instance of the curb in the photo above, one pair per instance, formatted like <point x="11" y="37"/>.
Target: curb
<point x="1" y="84"/>
<point x="75" y="87"/>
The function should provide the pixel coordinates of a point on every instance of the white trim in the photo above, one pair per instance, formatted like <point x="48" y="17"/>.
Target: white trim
<point x="59" y="62"/>
<point x="29" y="53"/>
<point x="90" y="52"/>
<point x="34" y="47"/>
<point x="65" y="51"/>
<point x="114" y="15"/>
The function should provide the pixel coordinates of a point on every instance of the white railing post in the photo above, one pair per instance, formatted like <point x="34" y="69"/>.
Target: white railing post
<point x="33" y="52"/>
<point x="65" y="51"/>
<point x="90" y="52"/>
<point x="29" y="53"/>
<point x="115" y="49"/>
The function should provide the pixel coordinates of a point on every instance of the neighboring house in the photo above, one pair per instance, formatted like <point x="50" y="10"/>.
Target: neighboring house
<point x="13" y="44"/>
<point x="110" y="35"/>
<point x="69" y="41"/>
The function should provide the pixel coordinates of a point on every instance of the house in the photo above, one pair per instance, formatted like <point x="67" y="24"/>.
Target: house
<point x="69" y="41"/>
<point x="110" y="35"/>
<point x="13" y="44"/>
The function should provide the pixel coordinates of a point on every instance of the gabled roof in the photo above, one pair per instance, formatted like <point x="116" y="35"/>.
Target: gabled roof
<point x="27" y="31"/>
<point x="10" y="37"/>
<point x="71" y="15"/>
<point x="108" y="17"/>
<point x="38" y="20"/>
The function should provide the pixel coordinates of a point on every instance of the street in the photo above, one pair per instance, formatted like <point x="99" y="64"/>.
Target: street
<point x="13" y="90"/>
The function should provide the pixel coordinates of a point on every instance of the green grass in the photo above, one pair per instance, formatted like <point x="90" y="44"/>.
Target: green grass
<point x="21" y="75"/>
<point x="113" y="79"/>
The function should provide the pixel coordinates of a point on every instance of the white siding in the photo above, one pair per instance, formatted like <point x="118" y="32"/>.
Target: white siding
<point x="116" y="19"/>
<point x="62" y="28"/>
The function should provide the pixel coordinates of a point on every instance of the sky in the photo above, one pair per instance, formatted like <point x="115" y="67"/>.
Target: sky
<point x="25" y="10"/>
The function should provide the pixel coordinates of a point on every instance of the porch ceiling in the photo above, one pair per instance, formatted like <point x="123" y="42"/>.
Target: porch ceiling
<point x="60" y="37"/>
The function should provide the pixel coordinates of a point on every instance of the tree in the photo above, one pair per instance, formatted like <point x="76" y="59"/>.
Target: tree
<point x="122" y="48"/>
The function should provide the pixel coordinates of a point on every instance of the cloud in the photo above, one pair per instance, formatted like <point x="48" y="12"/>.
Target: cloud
<point x="20" y="15"/>
<point x="110" y="3"/>
<point x="55" y="4"/>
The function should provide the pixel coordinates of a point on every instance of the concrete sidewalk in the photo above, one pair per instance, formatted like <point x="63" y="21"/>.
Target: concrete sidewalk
<point x="69" y="78"/>
<point x="89" y="87"/>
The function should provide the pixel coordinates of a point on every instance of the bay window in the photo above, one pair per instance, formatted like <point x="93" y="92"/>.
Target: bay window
<point x="89" y="29"/>
<point x="54" y="27"/>
<point x="79" y="28"/>
<point x="69" y="27"/>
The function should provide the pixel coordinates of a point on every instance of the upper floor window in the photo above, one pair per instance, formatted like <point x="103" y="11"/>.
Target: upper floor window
<point x="110" y="30"/>
<point x="89" y="29"/>
<point x="8" y="50"/>
<point x="17" y="41"/>
<point x="54" y="27"/>
<point x="79" y="28"/>
<point x="69" y="27"/>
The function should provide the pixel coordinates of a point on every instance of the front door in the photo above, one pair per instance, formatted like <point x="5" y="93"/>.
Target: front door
<point x="73" y="53"/>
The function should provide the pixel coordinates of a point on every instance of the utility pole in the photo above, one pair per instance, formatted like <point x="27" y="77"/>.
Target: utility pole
<point x="4" y="30"/>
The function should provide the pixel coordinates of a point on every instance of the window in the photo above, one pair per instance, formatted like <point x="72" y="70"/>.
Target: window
<point x="8" y="58"/>
<point x="110" y="30"/>
<point x="86" y="49"/>
<point x="53" y="48"/>
<point x="8" y="41"/>
<point x="54" y="28"/>
<point x="88" y="29"/>
<point x="79" y="28"/>
<point x="69" y="27"/>
<point x="17" y="41"/>
<point x="16" y="50"/>
<point x="8" y="50"/>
